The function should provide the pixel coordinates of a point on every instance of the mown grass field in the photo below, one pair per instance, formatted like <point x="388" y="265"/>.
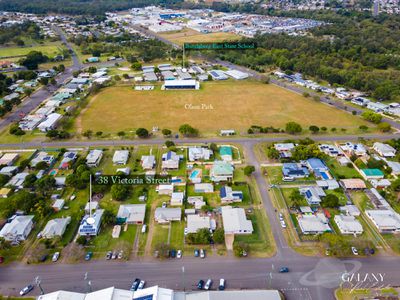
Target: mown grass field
<point x="235" y="105"/>
<point x="192" y="36"/>
<point x="50" y="49"/>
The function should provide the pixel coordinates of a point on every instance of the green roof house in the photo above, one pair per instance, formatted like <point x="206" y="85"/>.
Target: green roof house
<point x="372" y="173"/>
<point x="221" y="171"/>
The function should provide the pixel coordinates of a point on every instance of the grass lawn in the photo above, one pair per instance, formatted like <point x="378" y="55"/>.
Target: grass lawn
<point x="50" y="49"/>
<point x="192" y="36"/>
<point x="341" y="171"/>
<point x="245" y="102"/>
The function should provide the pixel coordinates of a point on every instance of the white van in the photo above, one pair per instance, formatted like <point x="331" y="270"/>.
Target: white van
<point x="144" y="227"/>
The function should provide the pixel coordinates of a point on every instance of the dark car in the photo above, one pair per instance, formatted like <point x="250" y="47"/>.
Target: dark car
<point x="89" y="255"/>
<point x="26" y="290"/>
<point x="135" y="285"/>
<point x="196" y="253"/>
<point x="221" y="286"/>
<point x="173" y="253"/>
<point x="108" y="255"/>
<point x="1" y="259"/>
<point x="284" y="270"/>
<point x="200" y="284"/>
<point x="43" y="258"/>
<point x="372" y="251"/>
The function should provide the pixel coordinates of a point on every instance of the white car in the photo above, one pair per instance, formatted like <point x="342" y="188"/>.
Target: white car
<point x="208" y="284"/>
<point x="280" y="217"/>
<point x="141" y="284"/>
<point x="283" y="224"/>
<point x="179" y="254"/>
<point x="354" y="250"/>
<point x="55" y="256"/>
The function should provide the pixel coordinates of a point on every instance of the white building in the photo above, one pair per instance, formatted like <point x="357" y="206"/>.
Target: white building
<point x="238" y="75"/>
<point x="199" y="153"/>
<point x="120" y="157"/>
<point x="170" y="161"/>
<point x="148" y="162"/>
<point x="387" y="221"/>
<point x="165" y="189"/>
<point x="196" y="222"/>
<point x="55" y="228"/>
<point x="313" y="224"/>
<point x="93" y="158"/>
<point x="384" y="150"/>
<point x="18" y="229"/>
<point x="177" y="198"/>
<point x="235" y="222"/>
<point x="50" y="122"/>
<point x="203" y="188"/>
<point x="348" y="224"/>
<point x="91" y="229"/>
<point x="167" y="214"/>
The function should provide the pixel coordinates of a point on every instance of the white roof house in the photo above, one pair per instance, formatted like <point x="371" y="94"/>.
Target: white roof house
<point x="58" y="204"/>
<point x="197" y="201"/>
<point x="235" y="74"/>
<point x="18" y="180"/>
<point x="167" y="214"/>
<point x="50" y="122"/>
<point x="199" y="153"/>
<point x="132" y="213"/>
<point x="196" y="222"/>
<point x="350" y="209"/>
<point x="120" y="157"/>
<point x="55" y="227"/>
<point x="18" y="229"/>
<point x="91" y="229"/>
<point x="348" y="224"/>
<point x="384" y="150"/>
<point x="203" y="188"/>
<point x="94" y="157"/>
<point x="313" y="224"/>
<point x="235" y="222"/>
<point x="170" y="160"/>
<point x="395" y="166"/>
<point x="177" y="198"/>
<point x="148" y="162"/>
<point x="165" y="189"/>
<point x="8" y="159"/>
<point x="387" y="221"/>
<point x="93" y="205"/>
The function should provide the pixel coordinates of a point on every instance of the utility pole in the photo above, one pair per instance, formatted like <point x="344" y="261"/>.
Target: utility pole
<point x="183" y="56"/>
<point x="38" y="282"/>
<point x="183" y="278"/>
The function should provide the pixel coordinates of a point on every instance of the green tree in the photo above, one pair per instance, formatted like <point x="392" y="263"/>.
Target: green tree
<point x="384" y="127"/>
<point x="42" y="165"/>
<point x="372" y="117"/>
<point x="241" y="249"/>
<point x="293" y="128"/>
<point x="219" y="236"/>
<point x="142" y="133"/>
<point x="169" y="144"/>
<point x="166" y="132"/>
<point x="119" y="192"/>
<point x="188" y="131"/>
<point x="30" y="181"/>
<point x="273" y="153"/>
<point x="330" y="200"/>
<point x="296" y="199"/>
<point x="248" y="170"/>
<point x="314" y="129"/>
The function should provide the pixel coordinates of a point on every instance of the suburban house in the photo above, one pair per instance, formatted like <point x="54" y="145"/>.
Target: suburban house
<point x="50" y="122"/>
<point x="120" y="157"/>
<point x="9" y="171"/>
<point x="170" y="160"/>
<point x="380" y="183"/>
<point x="395" y="166"/>
<point x="329" y="184"/>
<point x="285" y="149"/>
<point x="68" y="159"/>
<point x="42" y="156"/>
<point x="348" y="224"/>
<point x="384" y="150"/>
<point x="91" y="229"/>
<point x="199" y="153"/>
<point x="165" y="189"/>
<point x="196" y="222"/>
<point x="148" y="162"/>
<point x="58" y="204"/>
<point x="177" y="198"/>
<point x="131" y="213"/>
<point x="221" y="171"/>
<point x="372" y="173"/>
<point x="313" y="194"/>
<point x="294" y="170"/>
<point x="353" y="184"/>
<point x="330" y="150"/>
<point x="313" y="224"/>
<point x="203" y="188"/>
<point x="226" y="153"/>
<point x="91" y="206"/>
<point x="5" y="192"/>
<point x="229" y="196"/>
<point x="167" y="214"/>
<point x="350" y="209"/>
<point x="318" y="167"/>
<point x="93" y="158"/>
<point x="196" y="201"/>
<point x="387" y="221"/>
<point x="55" y="228"/>
<point x="18" y="229"/>
<point x="18" y="180"/>
<point x="8" y="159"/>
<point x="356" y="149"/>
<point x="235" y="222"/>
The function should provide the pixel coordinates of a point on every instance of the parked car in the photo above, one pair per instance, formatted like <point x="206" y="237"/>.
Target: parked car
<point x="179" y="254"/>
<point x="88" y="255"/>
<point x="173" y="253"/>
<point x="114" y="255"/>
<point x="1" y="259"/>
<point x="280" y="217"/>
<point x="354" y="250"/>
<point x="141" y="284"/>
<point x="135" y="284"/>
<point x="284" y="270"/>
<point x="156" y="254"/>
<point x="43" y="258"/>
<point x="109" y="255"/>
<point x="283" y="224"/>
<point x="221" y="286"/>
<point x="121" y="254"/>
<point x="196" y="253"/>
<point x="26" y="290"/>
<point x="186" y="231"/>
<point x="202" y="253"/>
<point x="208" y="284"/>
<point x="200" y="284"/>
<point x="144" y="227"/>
<point x="55" y="256"/>
<point x="164" y="204"/>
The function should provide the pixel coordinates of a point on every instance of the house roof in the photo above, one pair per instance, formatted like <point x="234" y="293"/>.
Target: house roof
<point x="196" y="222"/>
<point x="222" y="168"/>
<point x="55" y="227"/>
<point x="372" y="172"/>
<point x="167" y="213"/>
<point x="348" y="223"/>
<point x="132" y="212"/>
<point x="234" y="220"/>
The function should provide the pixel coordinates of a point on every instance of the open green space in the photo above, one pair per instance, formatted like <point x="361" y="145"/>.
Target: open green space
<point x="50" y="49"/>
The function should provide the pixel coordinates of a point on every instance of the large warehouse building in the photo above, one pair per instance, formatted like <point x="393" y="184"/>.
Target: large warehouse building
<point x="181" y="85"/>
